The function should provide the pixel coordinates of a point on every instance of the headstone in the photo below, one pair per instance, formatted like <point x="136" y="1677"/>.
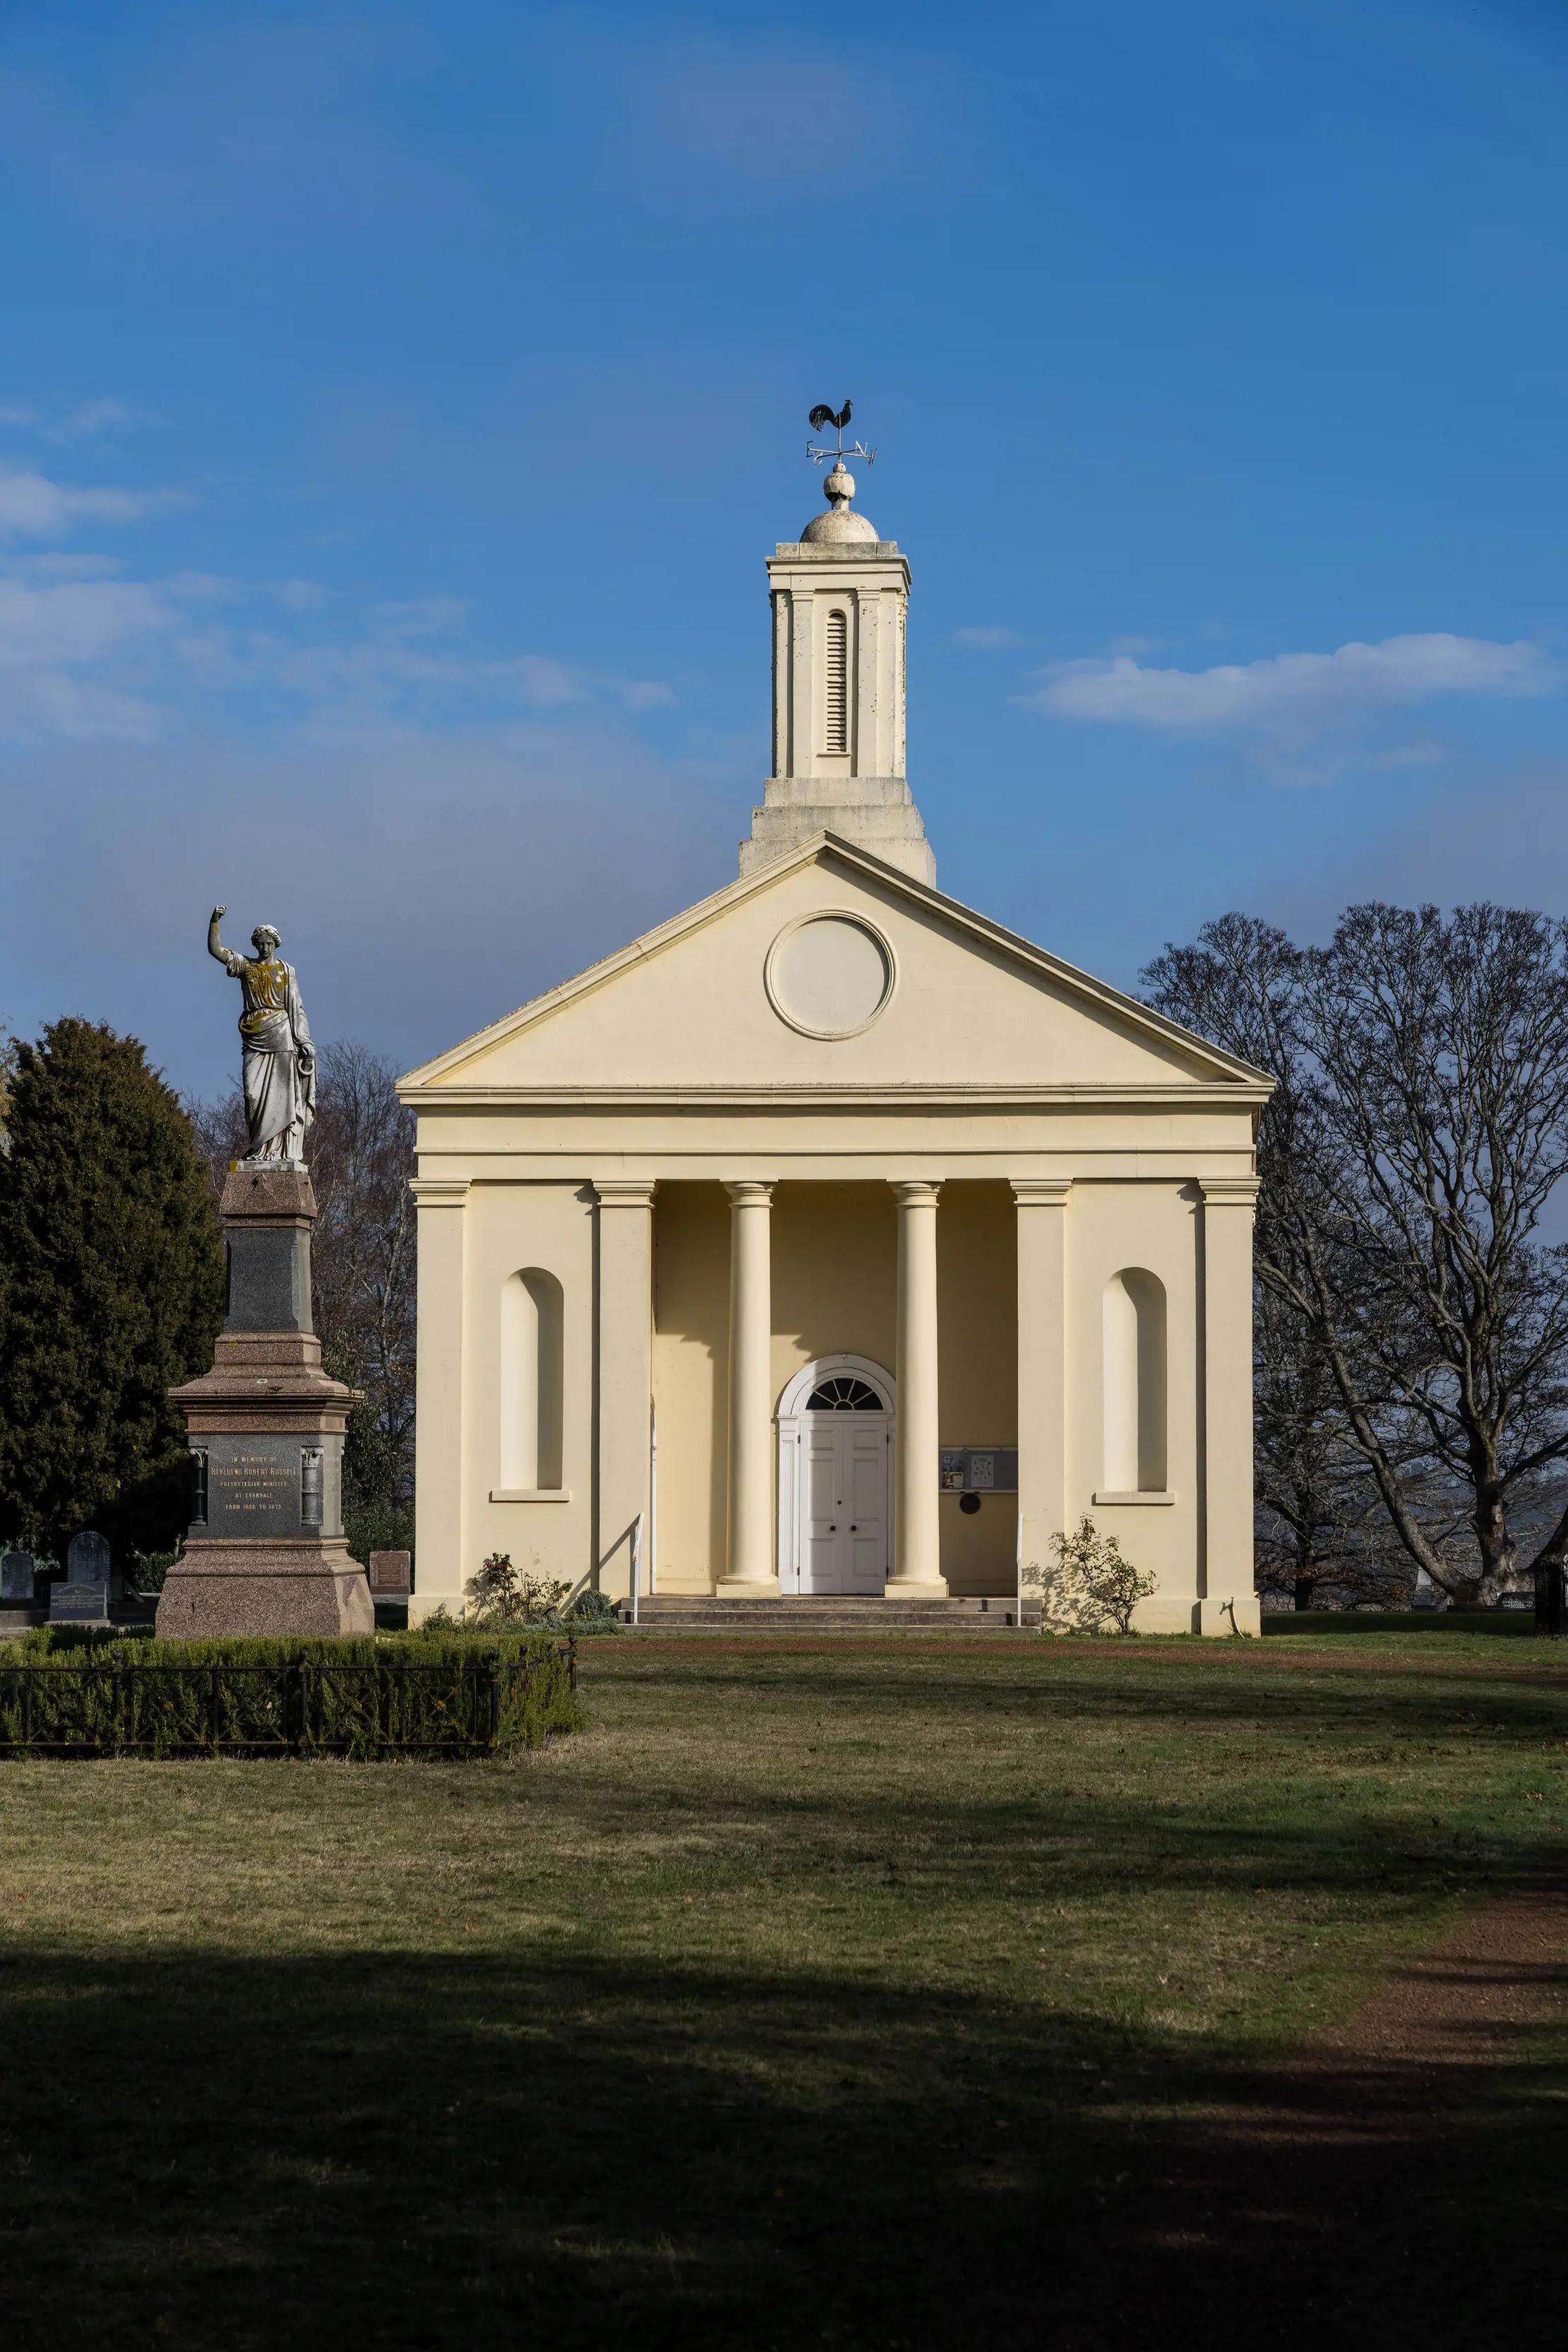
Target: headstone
<point x="17" y="1575"/>
<point x="390" y="1574"/>
<point x="87" y="1559"/>
<point x="79" y="1604"/>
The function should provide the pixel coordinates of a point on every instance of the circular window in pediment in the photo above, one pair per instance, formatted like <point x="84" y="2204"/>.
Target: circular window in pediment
<point x="830" y="974"/>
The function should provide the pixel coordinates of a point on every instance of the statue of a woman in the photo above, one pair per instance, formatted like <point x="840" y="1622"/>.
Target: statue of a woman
<point x="278" y="1061"/>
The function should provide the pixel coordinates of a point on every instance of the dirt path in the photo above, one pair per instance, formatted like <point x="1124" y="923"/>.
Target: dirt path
<point x="1503" y="1969"/>
<point x="1343" y="2197"/>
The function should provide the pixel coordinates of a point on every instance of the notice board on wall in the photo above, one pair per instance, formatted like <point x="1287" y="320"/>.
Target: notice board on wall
<point x="979" y="1470"/>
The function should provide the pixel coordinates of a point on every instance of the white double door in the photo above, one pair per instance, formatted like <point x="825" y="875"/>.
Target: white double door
<point x="843" y="1502"/>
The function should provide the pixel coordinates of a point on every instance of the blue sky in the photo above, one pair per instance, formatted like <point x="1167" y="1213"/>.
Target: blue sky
<point x="397" y="404"/>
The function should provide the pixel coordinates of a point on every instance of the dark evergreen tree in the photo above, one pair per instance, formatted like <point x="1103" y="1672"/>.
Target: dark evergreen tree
<point x="111" y="1290"/>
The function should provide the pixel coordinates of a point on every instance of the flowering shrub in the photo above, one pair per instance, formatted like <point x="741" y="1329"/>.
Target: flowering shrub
<point x="1092" y="1587"/>
<point x="500" y="1596"/>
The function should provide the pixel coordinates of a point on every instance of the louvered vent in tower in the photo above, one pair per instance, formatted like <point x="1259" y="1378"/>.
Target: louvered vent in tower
<point x="836" y="701"/>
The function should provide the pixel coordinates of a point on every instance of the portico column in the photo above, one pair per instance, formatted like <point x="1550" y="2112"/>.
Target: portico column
<point x="1227" y="1570"/>
<point x="1042" y="1215"/>
<point x="439" y="1496"/>
<point x="749" y="1568"/>
<point x="625" y="1374"/>
<point x="917" y="1537"/>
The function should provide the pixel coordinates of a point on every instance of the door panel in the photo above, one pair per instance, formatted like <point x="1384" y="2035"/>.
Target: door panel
<point x="843" y="1521"/>
<point x="820" y="1514"/>
<point x="865" y="1484"/>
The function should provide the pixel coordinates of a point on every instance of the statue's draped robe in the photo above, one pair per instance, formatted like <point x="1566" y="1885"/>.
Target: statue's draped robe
<point x="279" y="1096"/>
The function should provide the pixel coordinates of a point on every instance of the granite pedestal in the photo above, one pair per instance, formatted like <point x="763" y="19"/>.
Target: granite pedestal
<point x="265" y="1552"/>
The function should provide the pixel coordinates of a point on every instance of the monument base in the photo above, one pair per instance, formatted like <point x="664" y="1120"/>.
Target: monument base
<point x="265" y="1552"/>
<point x="264" y="1585"/>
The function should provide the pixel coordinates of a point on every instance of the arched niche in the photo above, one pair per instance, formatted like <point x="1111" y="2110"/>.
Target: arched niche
<point x="532" y="1322"/>
<point x="1135" y="1359"/>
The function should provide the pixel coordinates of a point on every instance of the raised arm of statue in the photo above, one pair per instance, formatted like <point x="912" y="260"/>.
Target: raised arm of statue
<point x="225" y="956"/>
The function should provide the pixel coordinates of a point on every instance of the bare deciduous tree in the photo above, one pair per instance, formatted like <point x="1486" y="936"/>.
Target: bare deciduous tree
<point x="1320" y="1527"/>
<point x="1418" y="1130"/>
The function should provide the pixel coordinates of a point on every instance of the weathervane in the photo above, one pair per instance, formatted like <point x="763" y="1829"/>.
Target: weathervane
<point x="820" y="419"/>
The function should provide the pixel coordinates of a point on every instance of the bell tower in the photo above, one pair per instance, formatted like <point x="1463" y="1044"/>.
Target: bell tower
<point x="840" y="595"/>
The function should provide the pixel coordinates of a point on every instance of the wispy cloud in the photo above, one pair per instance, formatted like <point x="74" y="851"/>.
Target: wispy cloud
<point x="985" y="639"/>
<point x="32" y="507"/>
<point x="92" y="418"/>
<point x="61" y="645"/>
<point x="244" y="126"/>
<point x="699" y="113"/>
<point x="85" y="652"/>
<point x="1295" y="691"/>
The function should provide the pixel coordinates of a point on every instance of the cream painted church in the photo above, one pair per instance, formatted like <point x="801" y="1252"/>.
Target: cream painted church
<point x="831" y="1239"/>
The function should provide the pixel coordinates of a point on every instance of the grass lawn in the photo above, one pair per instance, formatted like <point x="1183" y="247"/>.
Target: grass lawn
<point x="894" y="1994"/>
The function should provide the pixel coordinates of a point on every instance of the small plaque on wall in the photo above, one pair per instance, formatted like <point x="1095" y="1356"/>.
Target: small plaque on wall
<point x="979" y="1470"/>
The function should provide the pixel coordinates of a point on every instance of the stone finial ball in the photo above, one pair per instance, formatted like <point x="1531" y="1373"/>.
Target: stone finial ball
<point x="840" y="483"/>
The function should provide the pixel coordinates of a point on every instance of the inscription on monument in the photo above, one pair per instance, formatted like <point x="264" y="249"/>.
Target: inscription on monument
<point x="256" y="1484"/>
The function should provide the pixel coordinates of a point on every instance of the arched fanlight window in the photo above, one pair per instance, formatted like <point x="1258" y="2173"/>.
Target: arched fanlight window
<point x="532" y="1320"/>
<point x="1134" y="1335"/>
<point x="844" y="1393"/>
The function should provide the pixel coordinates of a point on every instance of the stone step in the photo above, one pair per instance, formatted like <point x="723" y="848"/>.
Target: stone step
<point x="826" y="1613"/>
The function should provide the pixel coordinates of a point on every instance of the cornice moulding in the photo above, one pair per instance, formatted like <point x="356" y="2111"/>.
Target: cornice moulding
<point x="1207" y="1094"/>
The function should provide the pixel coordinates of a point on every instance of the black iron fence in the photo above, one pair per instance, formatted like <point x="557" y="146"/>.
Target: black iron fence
<point x="112" y="1703"/>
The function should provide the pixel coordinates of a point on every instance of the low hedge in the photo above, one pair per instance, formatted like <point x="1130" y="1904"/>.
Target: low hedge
<point x="71" y="1691"/>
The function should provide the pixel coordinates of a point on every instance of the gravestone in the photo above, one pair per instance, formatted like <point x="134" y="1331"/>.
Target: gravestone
<point x="87" y="1559"/>
<point x="83" y="1598"/>
<point x="79" y="1604"/>
<point x="17" y="1576"/>
<point x="390" y="1575"/>
<point x="265" y="1549"/>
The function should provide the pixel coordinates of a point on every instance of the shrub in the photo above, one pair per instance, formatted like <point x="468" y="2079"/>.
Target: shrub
<point x="1093" y="1588"/>
<point x="67" y="1690"/>
<point x="500" y="1596"/>
<point x="595" y="1612"/>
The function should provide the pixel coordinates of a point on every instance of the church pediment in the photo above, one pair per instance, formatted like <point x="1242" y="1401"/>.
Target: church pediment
<point x="830" y="969"/>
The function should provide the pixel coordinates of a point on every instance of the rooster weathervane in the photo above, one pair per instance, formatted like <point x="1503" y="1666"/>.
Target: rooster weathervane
<point x="820" y="419"/>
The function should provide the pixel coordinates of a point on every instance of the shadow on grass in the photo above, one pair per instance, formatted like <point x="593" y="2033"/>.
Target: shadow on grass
<point x="1316" y="1695"/>
<point x="489" y="2146"/>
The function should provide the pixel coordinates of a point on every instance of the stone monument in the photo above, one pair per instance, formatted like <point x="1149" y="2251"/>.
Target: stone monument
<point x="265" y="1551"/>
<point x="82" y="1597"/>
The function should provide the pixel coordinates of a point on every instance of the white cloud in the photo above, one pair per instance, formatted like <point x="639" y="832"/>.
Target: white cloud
<point x="300" y="595"/>
<point x="1296" y="694"/>
<point x="83" y="651"/>
<point x="701" y="113"/>
<point x="423" y="616"/>
<point x="985" y="638"/>
<point x="33" y="506"/>
<point x="91" y="417"/>
<point x="49" y="635"/>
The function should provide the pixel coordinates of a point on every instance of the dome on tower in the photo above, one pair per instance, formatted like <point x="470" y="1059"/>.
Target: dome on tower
<point x="839" y="527"/>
